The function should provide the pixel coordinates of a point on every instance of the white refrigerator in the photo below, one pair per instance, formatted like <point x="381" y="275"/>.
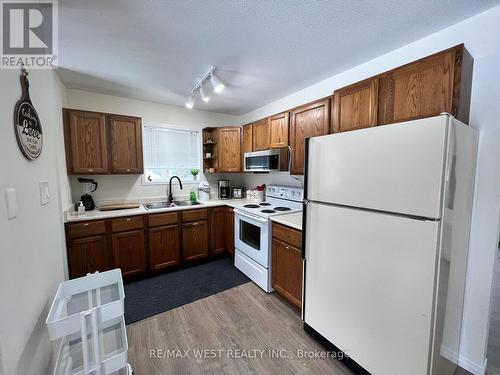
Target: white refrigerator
<point x="386" y="231"/>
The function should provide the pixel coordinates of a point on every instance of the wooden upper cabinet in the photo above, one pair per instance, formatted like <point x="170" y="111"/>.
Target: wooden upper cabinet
<point x="278" y="130"/>
<point x="126" y="144"/>
<point x="229" y="149"/>
<point x="247" y="138"/>
<point x="260" y="135"/>
<point x="85" y="137"/>
<point x="310" y="120"/>
<point x="427" y="87"/>
<point x="355" y="106"/>
<point x="100" y="143"/>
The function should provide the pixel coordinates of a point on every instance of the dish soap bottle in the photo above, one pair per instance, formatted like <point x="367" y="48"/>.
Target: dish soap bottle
<point x="192" y="197"/>
<point x="81" y="208"/>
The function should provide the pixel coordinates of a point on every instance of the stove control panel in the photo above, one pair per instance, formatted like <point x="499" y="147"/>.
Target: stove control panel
<point x="285" y="192"/>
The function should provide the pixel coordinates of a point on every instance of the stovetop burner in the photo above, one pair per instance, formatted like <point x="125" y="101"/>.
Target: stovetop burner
<point x="268" y="211"/>
<point x="282" y="208"/>
<point x="251" y="206"/>
<point x="264" y="204"/>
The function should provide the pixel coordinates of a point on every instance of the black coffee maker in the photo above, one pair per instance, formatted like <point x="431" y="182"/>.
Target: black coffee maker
<point x="224" y="189"/>
<point x="86" y="198"/>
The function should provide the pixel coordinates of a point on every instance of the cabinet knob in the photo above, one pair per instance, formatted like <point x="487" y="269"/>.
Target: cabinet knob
<point x="128" y="170"/>
<point x="91" y="170"/>
<point x="128" y="219"/>
<point x="86" y="224"/>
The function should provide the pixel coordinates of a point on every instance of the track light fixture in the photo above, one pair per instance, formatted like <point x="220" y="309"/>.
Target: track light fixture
<point x="217" y="87"/>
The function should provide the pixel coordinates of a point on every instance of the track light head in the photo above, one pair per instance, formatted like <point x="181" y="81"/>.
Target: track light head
<point x="217" y="85"/>
<point x="204" y="97"/>
<point x="190" y="102"/>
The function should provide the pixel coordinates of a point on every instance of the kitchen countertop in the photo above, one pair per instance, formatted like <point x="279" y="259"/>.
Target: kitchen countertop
<point x="69" y="216"/>
<point x="293" y="220"/>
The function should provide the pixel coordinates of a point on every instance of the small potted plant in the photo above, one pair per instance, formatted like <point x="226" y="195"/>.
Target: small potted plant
<point x="194" y="172"/>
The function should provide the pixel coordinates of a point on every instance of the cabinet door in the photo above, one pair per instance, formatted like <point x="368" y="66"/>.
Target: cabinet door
<point x="218" y="230"/>
<point x="164" y="247"/>
<point x="128" y="252"/>
<point x="260" y="135"/>
<point x="355" y="106"/>
<point x="247" y="138"/>
<point x="310" y="120"/>
<point x="126" y="144"/>
<point x="87" y="255"/>
<point x="230" y="230"/>
<point x="86" y="142"/>
<point x="229" y="149"/>
<point x="278" y="130"/>
<point x="195" y="240"/>
<point x="420" y="89"/>
<point x="287" y="271"/>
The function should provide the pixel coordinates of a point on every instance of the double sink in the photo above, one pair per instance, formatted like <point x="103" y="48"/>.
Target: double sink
<point x="165" y="204"/>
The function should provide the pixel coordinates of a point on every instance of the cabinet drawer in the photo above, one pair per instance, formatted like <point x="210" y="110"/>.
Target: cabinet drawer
<point x="159" y="220"/>
<point x="86" y="229"/>
<point x="127" y="223"/>
<point x="193" y="215"/>
<point x="288" y="235"/>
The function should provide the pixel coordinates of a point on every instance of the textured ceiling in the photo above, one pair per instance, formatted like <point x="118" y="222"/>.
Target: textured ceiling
<point x="155" y="50"/>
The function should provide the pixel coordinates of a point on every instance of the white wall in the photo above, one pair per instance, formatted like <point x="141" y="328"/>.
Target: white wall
<point x="126" y="188"/>
<point x="31" y="247"/>
<point x="481" y="35"/>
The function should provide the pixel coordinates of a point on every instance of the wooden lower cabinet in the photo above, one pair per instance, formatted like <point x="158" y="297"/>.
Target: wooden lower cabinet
<point x="194" y="240"/>
<point x="164" y="249"/>
<point x="218" y="230"/>
<point x="129" y="252"/>
<point x="172" y="238"/>
<point x="229" y="230"/>
<point x="87" y="255"/>
<point x="287" y="264"/>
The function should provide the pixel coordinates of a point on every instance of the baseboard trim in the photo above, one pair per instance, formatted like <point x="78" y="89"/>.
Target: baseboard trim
<point x="472" y="367"/>
<point x="463" y="362"/>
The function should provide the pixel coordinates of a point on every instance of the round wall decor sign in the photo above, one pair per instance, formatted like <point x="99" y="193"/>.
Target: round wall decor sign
<point x="27" y="123"/>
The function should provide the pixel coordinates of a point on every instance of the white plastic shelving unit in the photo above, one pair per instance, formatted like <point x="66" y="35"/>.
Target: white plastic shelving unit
<point x="87" y="314"/>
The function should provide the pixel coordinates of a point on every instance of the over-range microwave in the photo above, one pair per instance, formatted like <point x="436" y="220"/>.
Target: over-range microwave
<point x="265" y="161"/>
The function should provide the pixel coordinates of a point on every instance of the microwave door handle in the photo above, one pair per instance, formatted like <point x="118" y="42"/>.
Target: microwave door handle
<point x="250" y="216"/>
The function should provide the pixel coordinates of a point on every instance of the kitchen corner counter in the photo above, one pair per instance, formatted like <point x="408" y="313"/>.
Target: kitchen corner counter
<point x="293" y="220"/>
<point x="70" y="217"/>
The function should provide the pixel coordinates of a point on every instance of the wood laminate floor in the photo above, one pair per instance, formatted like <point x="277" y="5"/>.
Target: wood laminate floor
<point x="248" y="331"/>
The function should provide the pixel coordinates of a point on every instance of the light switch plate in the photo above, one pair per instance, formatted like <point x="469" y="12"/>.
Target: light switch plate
<point x="44" y="192"/>
<point x="11" y="203"/>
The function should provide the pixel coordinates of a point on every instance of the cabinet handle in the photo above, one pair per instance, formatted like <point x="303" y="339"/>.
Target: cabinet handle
<point x="91" y="170"/>
<point x="128" y="219"/>
<point x="128" y="170"/>
<point x="86" y="224"/>
<point x="286" y="247"/>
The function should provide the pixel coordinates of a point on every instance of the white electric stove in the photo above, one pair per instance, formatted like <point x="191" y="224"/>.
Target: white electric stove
<point x="252" y="234"/>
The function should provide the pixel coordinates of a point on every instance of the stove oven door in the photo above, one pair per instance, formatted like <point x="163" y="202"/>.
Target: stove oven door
<point x="251" y="237"/>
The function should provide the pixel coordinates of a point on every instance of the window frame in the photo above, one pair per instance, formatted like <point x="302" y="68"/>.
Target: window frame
<point x="144" y="180"/>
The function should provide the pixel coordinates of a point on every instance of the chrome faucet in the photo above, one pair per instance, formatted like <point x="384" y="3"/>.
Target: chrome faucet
<point x="170" y="195"/>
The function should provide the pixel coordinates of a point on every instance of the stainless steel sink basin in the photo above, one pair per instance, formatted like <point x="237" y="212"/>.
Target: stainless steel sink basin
<point x="186" y="203"/>
<point x="158" y="205"/>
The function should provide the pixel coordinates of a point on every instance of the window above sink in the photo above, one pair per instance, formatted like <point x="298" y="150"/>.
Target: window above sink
<point x="169" y="151"/>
